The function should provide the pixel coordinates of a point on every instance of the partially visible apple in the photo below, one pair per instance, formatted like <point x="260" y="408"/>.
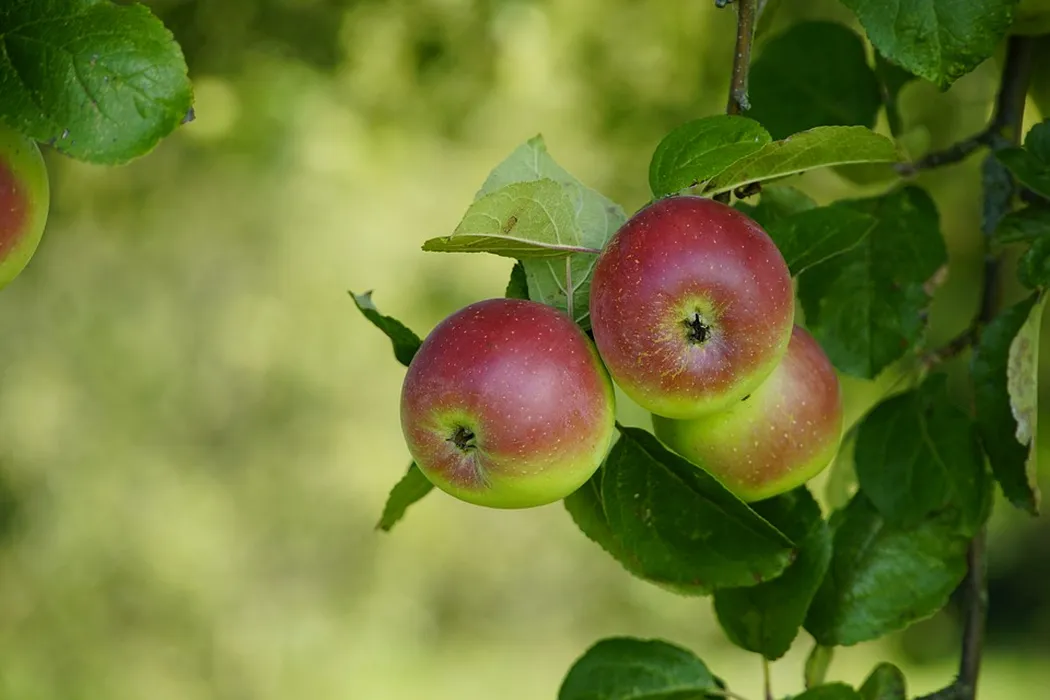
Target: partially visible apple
<point x="691" y="306"/>
<point x="781" y="436"/>
<point x="507" y="405"/>
<point x="24" y="202"/>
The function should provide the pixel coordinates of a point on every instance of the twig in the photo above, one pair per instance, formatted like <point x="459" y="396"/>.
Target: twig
<point x="1005" y="129"/>
<point x="747" y="11"/>
<point x="965" y="685"/>
<point x="951" y="349"/>
<point x="745" y="32"/>
<point x="953" y="154"/>
<point x="976" y="614"/>
<point x="766" y="681"/>
<point x="1006" y="120"/>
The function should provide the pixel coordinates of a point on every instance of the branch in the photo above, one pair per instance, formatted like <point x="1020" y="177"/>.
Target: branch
<point x="745" y="32"/>
<point x="1005" y="125"/>
<point x="747" y="12"/>
<point x="953" y="154"/>
<point x="999" y="190"/>
<point x="953" y="348"/>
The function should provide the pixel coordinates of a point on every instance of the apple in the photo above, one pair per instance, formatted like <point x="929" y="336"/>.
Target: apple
<point x="781" y="436"/>
<point x="691" y="306"/>
<point x="24" y="202"/>
<point x="508" y="405"/>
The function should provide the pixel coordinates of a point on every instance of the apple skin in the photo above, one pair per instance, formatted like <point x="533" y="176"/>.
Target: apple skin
<point x="785" y="433"/>
<point x="690" y="258"/>
<point x="525" y="392"/>
<point x="25" y="199"/>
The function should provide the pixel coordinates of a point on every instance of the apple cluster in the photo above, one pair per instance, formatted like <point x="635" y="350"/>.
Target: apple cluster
<point x="509" y="403"/>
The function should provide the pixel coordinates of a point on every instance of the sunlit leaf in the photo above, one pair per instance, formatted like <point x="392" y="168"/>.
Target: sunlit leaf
<point x="821" y="147"/>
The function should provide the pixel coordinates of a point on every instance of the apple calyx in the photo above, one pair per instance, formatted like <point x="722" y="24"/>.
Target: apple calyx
<point x="464" y="438"/>
<point x="697" y="331"/>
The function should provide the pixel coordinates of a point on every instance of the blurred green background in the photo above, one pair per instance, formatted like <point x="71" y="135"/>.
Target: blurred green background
<point x="198" y="431"/>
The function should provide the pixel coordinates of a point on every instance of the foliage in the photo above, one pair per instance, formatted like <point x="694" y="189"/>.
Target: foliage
<point x="100" y="82"/>
<point x="103" y="83"/>
<point x="890" y="556"/>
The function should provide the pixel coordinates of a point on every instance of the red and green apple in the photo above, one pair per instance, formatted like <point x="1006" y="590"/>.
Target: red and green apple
<point x="691" y="306"/>
<point x="24" y="202"/>
<point x="508" y="405"/>
<point x="781" y="436"/>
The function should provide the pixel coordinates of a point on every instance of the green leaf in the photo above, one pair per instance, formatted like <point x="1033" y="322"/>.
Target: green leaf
<point x="865" y="306"/>
<point x="883" y="578"/>
<point x="623" y="668"/>
<point x="1001" y="368"/>
<point x="892" y="79"/>
<point x="1029" y="170"/>
<point x="521" y="220"/>
<point x="1037" y="140"/>
<point x="100" y="82"/>
<point x="412" y="487"/>
<point x="597" y="219"/>
<point x="766" y="618"/>
<point x="549" y="284"/>
<point x="1033" y="269"/>
<point x="405" y="342"/>
<point x="886" y="682"/>
<point x="813" y="74"/>
<point x="1031" y="165"/>
<point x="831" y="691"/>
<point x="696" y="151"/>
<point x="818" y="661"/>
<point x="776" y="203"/>
<point x="585" y="507"/>
<point x="821" y="147"/>
<point x="918" y="454"/>
<point x="1022" y="375"/>
<point x="517" y="285"/>
<point x="998" y="193"/>
<point x="940" y="40"/>
<point x="679" y="525"/>
<point x="815" y="235"/>
<point x="1024" y="225"/>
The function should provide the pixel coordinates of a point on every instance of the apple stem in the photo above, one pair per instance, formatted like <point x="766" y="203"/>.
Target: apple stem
<point x="747" y="14"/>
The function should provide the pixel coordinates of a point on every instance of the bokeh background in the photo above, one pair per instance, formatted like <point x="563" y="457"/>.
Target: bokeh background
<point x="198" y="430"/>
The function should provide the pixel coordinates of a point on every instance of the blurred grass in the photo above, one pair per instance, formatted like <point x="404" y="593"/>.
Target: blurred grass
<point x="198" y="431"/>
